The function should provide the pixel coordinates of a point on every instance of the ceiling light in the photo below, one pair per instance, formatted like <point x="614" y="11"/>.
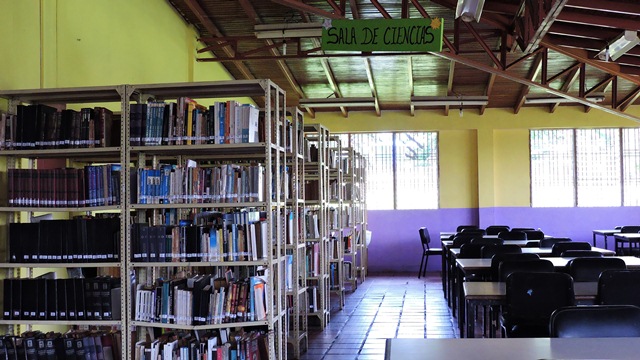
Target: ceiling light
<point x="288" y="30"/>
<point x="623" y="43"/>
<point x="469" y="10"/>
<point x="449" y="100"/>
<point x="338" y="102"/>
<point x="554" y="100"/>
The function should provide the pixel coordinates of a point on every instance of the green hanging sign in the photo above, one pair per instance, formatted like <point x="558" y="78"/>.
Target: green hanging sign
<point x="383" y="35"/>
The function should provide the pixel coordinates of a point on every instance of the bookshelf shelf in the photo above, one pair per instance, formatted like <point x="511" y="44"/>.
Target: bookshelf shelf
<point x="113" y="208"/>
<point x="199" y="327"/>
<point x="227" y="150"/>
<point x="200" y="206"/>
<point x="117" y="323"/>
<point x="60" y="265"/>
<point x="199" y="263"/>
<point x="76" y="153"/>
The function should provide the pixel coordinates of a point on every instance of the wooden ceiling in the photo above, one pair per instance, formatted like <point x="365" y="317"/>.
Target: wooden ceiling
<point x="519" y="50"/>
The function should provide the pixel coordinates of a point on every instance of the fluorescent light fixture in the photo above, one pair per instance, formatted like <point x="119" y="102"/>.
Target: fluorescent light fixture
<point x="338" y="102"/>
<point x="449" y="100"/>
<point x="623" y="43"/>
<point x="286" y="30"/>
<point x="555" y="99"/>
<point x="469" y="10"/>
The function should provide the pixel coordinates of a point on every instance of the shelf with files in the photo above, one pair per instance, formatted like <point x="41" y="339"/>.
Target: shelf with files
<point x="210" y="202"/>
<point x="359" y="204"/>
<point x="296" y="280"/>
<point x="350" y="205"/>
<point x="316" y="224"/>
<point x="336" y="211"/>
<point x="61" y="156"/>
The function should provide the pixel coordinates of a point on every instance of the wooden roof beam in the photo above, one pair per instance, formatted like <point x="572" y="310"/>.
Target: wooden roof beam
<point x="629" y="99"/>
<point x="533" y="73"/>
<point x="425" y="15"/>
<point x="484" y="45"/>
<point x="299" y="5"/>
<point x="411" y="86"/>
<point x="336" y="7"/>
<point x="372" y="85"/>
<point x="567" y="84"/>
<point x="355" y="12"/>
<point x="609" y="6"/>
<point x="380" y="8"/>
<point x="452" y="68"/>
<point x="597" y="20"/>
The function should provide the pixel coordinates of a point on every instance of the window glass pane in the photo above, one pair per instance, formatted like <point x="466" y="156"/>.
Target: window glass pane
<point x="378" y="149"/>
<point x="598" y="167"/>
<point x="552" y="168"/>
<point x="417" y="170"/>
<point x="631" y="166"/>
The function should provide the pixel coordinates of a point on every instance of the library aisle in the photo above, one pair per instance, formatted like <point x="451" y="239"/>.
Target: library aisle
<point x="384" y="306"/>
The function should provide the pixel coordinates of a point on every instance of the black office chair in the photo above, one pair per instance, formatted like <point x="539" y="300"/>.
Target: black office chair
<point x="549" y="242"/>
<point x="619" y="287"/>
<point x="495" y="229"/>
<point x="531" y="298"/>
<point x="558" y="248"/>
<point x="595" y="321"/>
<point x="462" y="227"/>
<point x="589" y="268"/>
<point x="485" y="241"/>
<point x="488" y="251"/>
<point x="425" y="239"/>
<point x="534" y="234"/>
<point x="581" y="253"/>
<point x="512" y="235"/>
<point x="497" y="259"/>
<point x="509" y="267"/>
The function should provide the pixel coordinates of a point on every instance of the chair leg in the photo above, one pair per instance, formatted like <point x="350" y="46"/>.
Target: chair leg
<point x="421" y="262"/>
<point x="426" y="261"/>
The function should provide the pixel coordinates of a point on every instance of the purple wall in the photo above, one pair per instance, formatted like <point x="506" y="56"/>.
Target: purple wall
<point x="395" y="244"/>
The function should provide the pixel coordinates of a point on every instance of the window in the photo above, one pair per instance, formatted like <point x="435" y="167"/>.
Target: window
<point x="585" y="167"/>
<point x="402" y="169"/>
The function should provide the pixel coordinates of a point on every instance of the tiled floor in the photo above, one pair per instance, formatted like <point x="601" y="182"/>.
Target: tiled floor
<point x="384" y="306"/>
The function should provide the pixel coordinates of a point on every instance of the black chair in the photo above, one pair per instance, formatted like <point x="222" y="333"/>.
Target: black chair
<point x="532" y="244"/>
<point x="558" y="248"/>
<point x="549" y="242"/>
<point x="522" y="229"/>
<point x="462" y="227"/>
<point x="589" y="268"/>
<point x="534" y="234"/>
<point x="512" y="235"/>
<point x="470" y="251"/>
<point x="485" y="241"/>
<point x="581" y="253"/>
<point x="531" y="298"/>
<point x="595" y="321"/>
<point x="495" y="229"/>
<point x="425" y="239"/>
<point x="497" y="259"/>
<point x="509" y="267"/>
<point x="479" y="232"/>
<point x="488" y="251"/>
<point x="630" y="229"/>
<point x="619" y="287"/>
<point x="461" y="239"/>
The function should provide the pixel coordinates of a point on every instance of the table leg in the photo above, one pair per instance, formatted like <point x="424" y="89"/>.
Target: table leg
<point x="444" y="271"/>
<point x="471" y="318"/>
<point x="605" y="241"/>
<point x="460" y="299"/>
<point x="594" y="239"/>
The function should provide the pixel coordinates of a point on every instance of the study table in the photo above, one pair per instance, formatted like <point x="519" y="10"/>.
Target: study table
<point x="605" y="234"/>
<point x="625" y="238"/>
<point x="514" y="348"/>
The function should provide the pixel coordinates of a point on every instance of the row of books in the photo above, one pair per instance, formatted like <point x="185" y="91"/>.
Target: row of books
<point x="78" y="240"/>
<point x="44" y="127"/>
<point x="202" y="300"/>
<point x="312" y="224"/>
<point x="212" y="345"/>
<point x="186" y="122"/>
<point x="73" y="345"/>
<point x="233" y="240"/>
<point x="312" y="260"/>
<point x="225" y="183"/>
<point x="95" y="185"/>
<point x="44" y="298"/>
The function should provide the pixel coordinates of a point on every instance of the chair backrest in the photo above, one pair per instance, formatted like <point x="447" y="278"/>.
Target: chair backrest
<point x="558" y="248"/>
<point x="581" y="253"/>
<point x="531" y="298"/>
<point x="497" y="259"/>
<point x="512" y="235"/>
<point x="480" y="232"/>
<point x="488" y="251"/>
<point x="595" y="321"/>
<point x="461" y="239"/>
<point x="619" y="287"/>
<point x="509" y="267"/>
<point x="630" y="229"/>
<point x="425" y="238"/>
<point x="522" y="229"/>
<point x="470" y="251"/>
<point x="534" y="234"/>
<point x="589" y="268"/>
<point x="534" y="244"/>
<point x="485" y="241"/>
<point x="548" y="242"/>
<point x="462" y="227"/>
<point x="495" y="229"/>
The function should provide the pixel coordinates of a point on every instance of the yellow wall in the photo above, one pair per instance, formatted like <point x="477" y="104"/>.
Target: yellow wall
<point x="484" y="160"/>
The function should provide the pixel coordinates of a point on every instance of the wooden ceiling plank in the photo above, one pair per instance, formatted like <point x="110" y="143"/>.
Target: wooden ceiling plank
<point x="533" y="73"/>
<point x="629" y="99"/>
<point x="616" y="7"/>
<point x="298" y="5"/>
<point x="583" y="31"/>
<point x="199" y="12"/>
<point x="563" y="72"/>
<point x="381" y="9"/>
<point x="567" y="84"/>
<point x="598" y="20"/>
<point x="372" y="85"/>
<point x="425" y="15"/>
<point x="513" y="77"/>
<point x="599" y="85"/>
